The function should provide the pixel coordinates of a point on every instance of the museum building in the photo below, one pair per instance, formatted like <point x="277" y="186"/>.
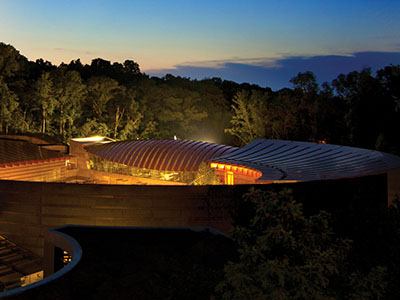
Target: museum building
<point x="97" y="181"/>
<point x="184" y="162"/>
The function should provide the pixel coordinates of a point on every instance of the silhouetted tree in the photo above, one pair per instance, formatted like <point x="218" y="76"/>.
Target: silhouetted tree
<point x="70" y="92"/>
<point x="248" y="120"/>
<point x="8" y="105"/>
<point x="12" y="64"/>
<point x="286" y="255"/>
<point x="123" y="111"/>
<point x="45" y="99"/>
<point x="366" y="113"/>
<point x="100" y="91"/>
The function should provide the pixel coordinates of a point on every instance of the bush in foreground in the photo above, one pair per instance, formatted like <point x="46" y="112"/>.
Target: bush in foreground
<point x="287" y="255"/>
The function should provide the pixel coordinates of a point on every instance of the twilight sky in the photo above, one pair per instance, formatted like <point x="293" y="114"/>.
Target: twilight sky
<point x="263" y="42"/>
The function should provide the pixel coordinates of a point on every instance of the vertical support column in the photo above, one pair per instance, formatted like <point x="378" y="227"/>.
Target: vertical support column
<point x="393" y="188"/>
<point x="229" y="178"/>
<point x="48" y="259"/>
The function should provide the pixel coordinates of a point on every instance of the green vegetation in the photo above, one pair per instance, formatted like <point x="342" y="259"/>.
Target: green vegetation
<point x="287" y="255"/>
<point x="283" y="253"/>
<point x="117" y="100"/>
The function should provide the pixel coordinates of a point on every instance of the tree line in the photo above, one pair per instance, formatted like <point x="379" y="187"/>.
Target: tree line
<point x="118" y="100"/>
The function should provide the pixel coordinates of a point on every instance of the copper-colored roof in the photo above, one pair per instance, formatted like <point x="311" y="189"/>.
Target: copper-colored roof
<point x="167" y="155"/>
<point x="287" y="160"/>
<point x="20" y="151"/>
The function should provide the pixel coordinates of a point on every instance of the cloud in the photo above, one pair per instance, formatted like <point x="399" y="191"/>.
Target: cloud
<point x="396" y="46"/>
<point x="74" y="51"/>
<point x="218" y="64"/>
<point x="276" y="73"/>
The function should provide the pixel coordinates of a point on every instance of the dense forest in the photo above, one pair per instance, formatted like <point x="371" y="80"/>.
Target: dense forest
<point x="118" y="100"/>
<point x="358" y="109"/>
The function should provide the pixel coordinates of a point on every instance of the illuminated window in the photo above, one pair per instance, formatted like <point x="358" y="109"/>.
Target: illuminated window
<point x="66" y="258"/>
<point x="229" y="178"/>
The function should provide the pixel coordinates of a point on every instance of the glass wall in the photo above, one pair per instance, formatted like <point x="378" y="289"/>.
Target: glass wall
<point x="189" y="177"/>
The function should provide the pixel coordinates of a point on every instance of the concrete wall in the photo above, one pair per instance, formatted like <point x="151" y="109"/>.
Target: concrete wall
<point x="27" y="209"/>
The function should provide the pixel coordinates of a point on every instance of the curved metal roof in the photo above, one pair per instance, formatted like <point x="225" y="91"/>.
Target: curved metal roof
<point x="287" y="160"/>
<point x="167" y="155"/>
<point x="20" y="151"/>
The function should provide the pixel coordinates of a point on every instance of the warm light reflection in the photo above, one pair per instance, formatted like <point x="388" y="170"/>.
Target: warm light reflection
<point x="31" y="278"/>
<point x="96" y="138"/>
<point x="169" y="176"/>
<point x="229" y="177"/>
<point x="66" y="258"/>
<point x="236" y="170"/>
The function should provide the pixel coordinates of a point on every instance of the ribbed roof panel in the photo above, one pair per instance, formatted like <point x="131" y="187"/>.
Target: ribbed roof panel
<point x="19" y="151"/>
<point x="168" y="155"/>
<point x="172" y="154"/>
<point x="287" y="160"/>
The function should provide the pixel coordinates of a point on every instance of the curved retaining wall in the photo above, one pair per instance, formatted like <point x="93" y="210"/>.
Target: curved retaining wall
<point x="54" y="238"/>
<point x="27" y="209"/>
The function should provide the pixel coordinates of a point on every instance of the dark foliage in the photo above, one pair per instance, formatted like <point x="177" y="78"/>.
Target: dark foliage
<point x="285" y="254"/>
<point x="357" y="109"/>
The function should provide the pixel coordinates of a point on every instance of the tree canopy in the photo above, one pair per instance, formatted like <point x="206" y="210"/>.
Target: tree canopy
<point x="118" y="100"/>
<point x="287" y="255"/>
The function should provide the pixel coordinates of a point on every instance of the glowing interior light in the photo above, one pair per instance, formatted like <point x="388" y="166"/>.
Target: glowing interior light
<point x="229" y="171"/>
<point x="96" y="138"/>
<point x="230" y="178"/>
<point x="66" y="257"/>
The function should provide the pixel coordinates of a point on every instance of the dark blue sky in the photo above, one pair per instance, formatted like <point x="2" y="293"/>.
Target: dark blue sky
<point x="259" y="41"/>
<point x="277" y="76"/>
